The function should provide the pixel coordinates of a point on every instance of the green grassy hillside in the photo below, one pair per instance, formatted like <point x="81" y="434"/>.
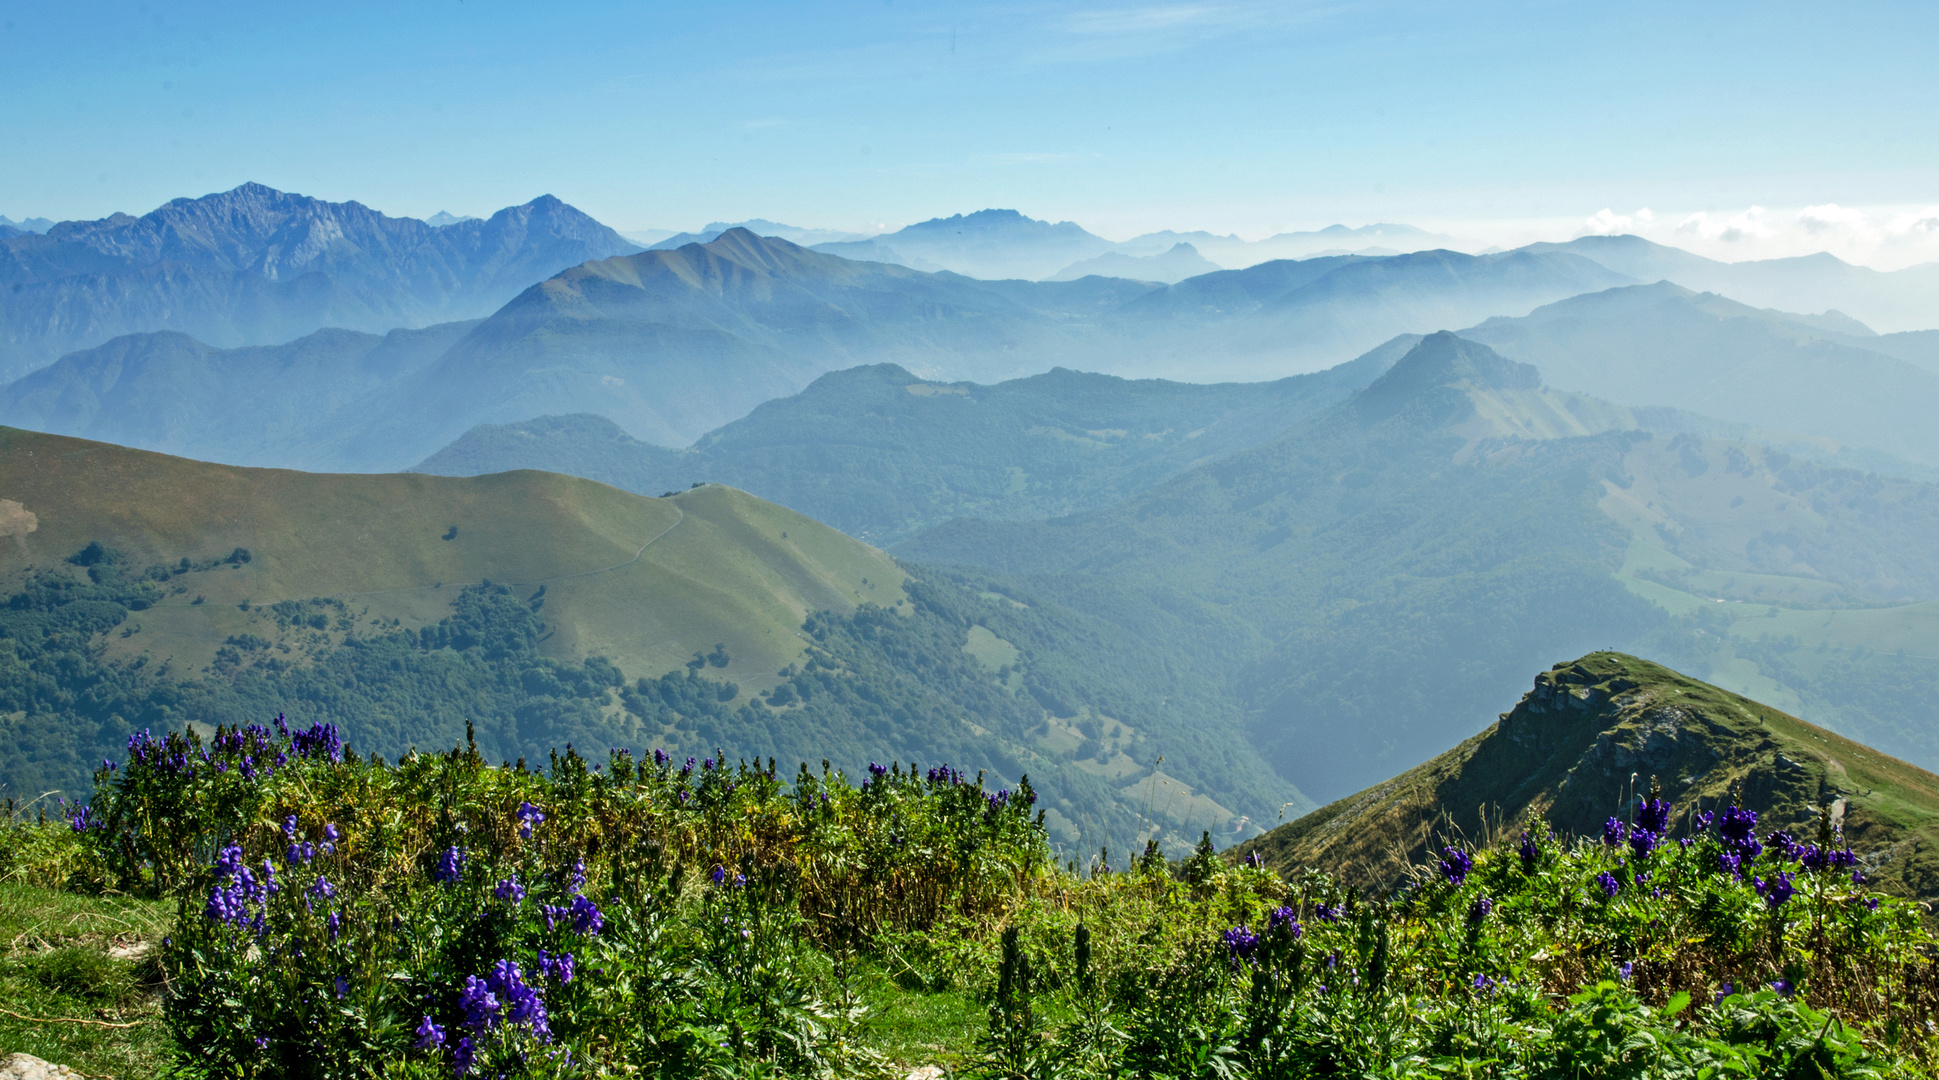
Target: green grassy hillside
<point x="1588" y="740"/>
<point x="643" y="582"/>
<point x="535" y="611"/>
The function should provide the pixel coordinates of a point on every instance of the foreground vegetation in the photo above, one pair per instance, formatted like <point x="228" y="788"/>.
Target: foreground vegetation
<point x="334" y="915"/>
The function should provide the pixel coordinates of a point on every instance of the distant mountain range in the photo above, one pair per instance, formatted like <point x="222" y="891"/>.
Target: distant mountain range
<point x="672" y="344"/>
<point x="1173" y="265"/>
<point x="1895" y="300"/>
<point x="1408" y="553"/>
<point x="883" y="455"/>
<point x="1004" y="244"/>
<point x="761" y="227"/>
<point x="259" y="266"/>
<point x="1663" y="344"/>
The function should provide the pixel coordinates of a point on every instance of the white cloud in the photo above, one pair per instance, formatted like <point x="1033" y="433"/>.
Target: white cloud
<point x="1606" y="222"/>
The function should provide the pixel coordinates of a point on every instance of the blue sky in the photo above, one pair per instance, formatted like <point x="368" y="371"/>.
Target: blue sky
<point x="1124" y="117"/>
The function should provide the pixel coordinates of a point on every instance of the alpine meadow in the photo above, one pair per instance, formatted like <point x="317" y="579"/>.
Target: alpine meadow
<point x="906" y="541"/>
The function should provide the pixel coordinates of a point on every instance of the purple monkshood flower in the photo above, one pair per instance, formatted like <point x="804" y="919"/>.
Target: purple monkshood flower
<point x="1327" y="913"/>
<point x="528" y="816"/>
<point x="1783" y="987"/>
<point x="322" y="889"/>
<point x="1729" y="862"/>
<point x="1642" y="841"/>
<point x="510" y="890"/>
<point x="450" y="866"/>
<point x="578" y="875"/>
<point x="463" y="1056"/>
<point x="1456" y="865"/>
<point x="331" y="834"/>
<point x="1738" y="830"/>
<point x="523" y="1005"/>
<point x="1529" y="852"/>
<point x="1777" y="890"/>
<point x="1241" y="942"/>
<point x="1653" y="815"/>
<point x="557" y="967"/>
<point x="1485" y="984"/>
<point x="1625" y="970"/>
<point x="289" y="827"/>
<point x="481" y="1007"/>
<point x="586" y="918"/>
<point x="342" y="986"/>
<point x="1284" y="923"/>
<point x="429" y="1036"/>
<point x="1609" y="882"/>
<point x="1725" y="991"/>
<point x="720" y="874"/>
<point x="1614" y="832"/>
<point x="1480" y="909"/>
<point x="335" y="923"/>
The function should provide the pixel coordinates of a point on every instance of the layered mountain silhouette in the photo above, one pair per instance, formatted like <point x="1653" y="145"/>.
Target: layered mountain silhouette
<point x="259" y="266"/>
<point x="1296" y="315"/>
<point x="1663" y="344"/>
<point x="254" y="405"/>
<point x="1177" y="263"/>
<point x="996" y="244"/>
<point x="1897" y="300"/>
<point x="883" y="455"/>
<point x="671" y="344"/>
<point x="1411" y="551"/>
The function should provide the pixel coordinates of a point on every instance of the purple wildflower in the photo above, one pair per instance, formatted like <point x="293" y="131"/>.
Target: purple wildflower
<point x="1614" y="832"/>
<point x="557" y="967"/>
<point x="1241" y="943"/>
<point x="1777" y="890"/>
<point x="481" y="1007"/>
<point x="450" y="866"/>
<point x="510" y="891"/>
<point x="1609" y="882"/>
<point x="1284" y="923"/>
<point x="586" y="918"/>
<point x="1653" y="815"/>
<point x="429" y="1036"/>
<point x="1642" y="841"/>
<point x="1529" y="852"/>
<point x="528" y="816"/>
<point x="1480" y="909"/>
<point x="1456" y="865"/>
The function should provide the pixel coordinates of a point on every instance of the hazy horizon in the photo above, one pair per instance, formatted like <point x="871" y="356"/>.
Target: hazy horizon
<point x="1502" y="126"/>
